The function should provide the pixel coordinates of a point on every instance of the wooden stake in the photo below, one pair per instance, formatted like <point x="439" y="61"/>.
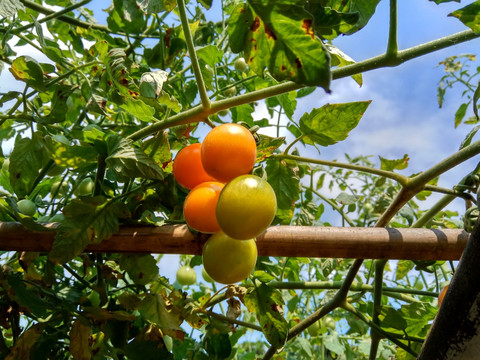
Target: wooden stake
<point x="294" y="241"/>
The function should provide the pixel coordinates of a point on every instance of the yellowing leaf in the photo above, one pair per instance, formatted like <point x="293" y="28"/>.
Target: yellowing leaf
<point x="79" y="340"/>
<point x="23" y="346"/>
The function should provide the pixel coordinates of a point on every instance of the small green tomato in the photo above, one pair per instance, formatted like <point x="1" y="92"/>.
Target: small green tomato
<point x="240" y="64"/>
<point x="27" y="207"/>
<point x="186" y="276"/>
<point x="59" y="189"/>
<point x="85" y="188"/>
<point x="231" y="91"/>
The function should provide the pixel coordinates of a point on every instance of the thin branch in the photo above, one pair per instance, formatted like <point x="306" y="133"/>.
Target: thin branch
<point x="193" y="55"/>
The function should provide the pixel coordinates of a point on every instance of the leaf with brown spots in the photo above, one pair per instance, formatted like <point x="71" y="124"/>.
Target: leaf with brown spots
<point x="280" y="38"/>
<point x="267" y="304"/>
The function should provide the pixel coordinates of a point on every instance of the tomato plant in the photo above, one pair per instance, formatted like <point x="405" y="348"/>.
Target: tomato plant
<point x="228" y="260"/>
<point x="228" y="150"/>
<point x="187" y="167"/>
<point x="168" y="110"/>
<point x="200" y="206"/>
<point x="246" y="207"/>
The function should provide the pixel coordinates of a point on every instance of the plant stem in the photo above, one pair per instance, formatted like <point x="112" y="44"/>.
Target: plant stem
<point x="392" y="46"/>
<point x="388" y="174"/>
<point x="51" y="16"/>
<point x="333" y="205"/>
<point x="193" y="55"/>
<point x="377" y="307"/>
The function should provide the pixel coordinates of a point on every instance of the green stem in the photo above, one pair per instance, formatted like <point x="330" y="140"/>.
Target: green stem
<point x="388" y="174"/>
<point x="434" y="210"/>
<point x="68" y="19"/>
<point x="392" y="46"/>
<point x="331" y="285"/>
<point x="287" y="149"/>
<point x="232" y="321"/>
<point x="377" y="307"/>
<point x="51" y="16"/>
<point x="193" y="55"/>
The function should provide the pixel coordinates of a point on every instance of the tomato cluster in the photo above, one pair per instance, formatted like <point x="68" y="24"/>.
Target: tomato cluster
<point x="225" y="200"/>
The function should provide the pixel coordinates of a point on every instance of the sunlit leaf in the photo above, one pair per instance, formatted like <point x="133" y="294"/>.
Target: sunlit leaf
<point x="394" y="164"/>
<point x="280" y="39"/>
<point x="469" y="15"/>
<point x="23" y="347"/>
<point x="27" y="69"/>
<point x="141" y="268"/>
<point x="332" y="122"/>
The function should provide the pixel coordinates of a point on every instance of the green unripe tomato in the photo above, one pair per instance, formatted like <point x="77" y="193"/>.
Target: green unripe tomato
<point x="59" y="189"/>
<point x="329" y="322"/>
<point x="207" y="277"/>
<point x="209" y="70"/>
<point x="85" y="188"/>
<point x="315" y="328"/>
<point x="240" y="64"/>
<point x="27" y="207"/>
<point x="231" y="91"/>
<point x="6" y="164"/>
<point x="186" y="276"/>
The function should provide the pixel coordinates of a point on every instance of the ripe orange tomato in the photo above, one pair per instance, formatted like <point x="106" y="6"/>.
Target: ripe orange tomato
<point x="228" y="260"/>
<point x="200" y="206"/>
<point x="246" y="207"/>
<point x="187" y="167"/>
<point x="442" y="295"/>
<point x="229" y="150"/>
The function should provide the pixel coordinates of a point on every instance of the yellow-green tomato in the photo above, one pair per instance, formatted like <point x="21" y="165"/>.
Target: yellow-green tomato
<point x="228" y="260"/>
<point x="186" y="275"/>
<point x="246" y="207"/>
<point x="168" y="341"/>
<point x="85" y="188"/>
<point x="330" y="322"/>
<point x="27" y="207"/>
<point x="240" y="64"/>
<point x="207" y="277"/>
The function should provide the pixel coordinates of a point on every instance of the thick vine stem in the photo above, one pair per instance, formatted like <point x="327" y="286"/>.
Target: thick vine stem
<point x="377" y="307"/>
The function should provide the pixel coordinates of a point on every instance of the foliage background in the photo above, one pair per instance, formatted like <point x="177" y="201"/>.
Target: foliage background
<point x="134" y="305"/>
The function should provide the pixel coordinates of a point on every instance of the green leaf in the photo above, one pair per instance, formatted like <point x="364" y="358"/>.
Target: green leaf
<point x="127" y="161"/>
<point x="468" y="139"/>
<point x="364" y="8"/>
<point x="27" y="159"/>
<point x="142" y="269"/>
<point x="332" y="343"/>
<point x="156" y="6"/>
<point x="332" y="122"/>
<point x="346" y="199"/>
<point x="27" y="69"/>
<point x="125" y="16"/>
<point x="280" y="37"/>
<point x="211" y="54"/>
<point x="396" y="164"/>
<point x="146" y="349"/>
<point x="10" y="8"/>
<point x="285" y="183"/>
<point x="476" y="97"/>
<point x="392" y="318"/>
<point x="139" y="109"/>
<point x="330" y="23"/>
<point x="470" y="16"/>
<point x="339" y="58"/>
<point x="25" y="296"/>
<point x="267" y="304"/>
<point x="460" y="114"/>
<point x="70" y="240"/>
<point x="59" y="105"/>
<point x="218" y="345"/>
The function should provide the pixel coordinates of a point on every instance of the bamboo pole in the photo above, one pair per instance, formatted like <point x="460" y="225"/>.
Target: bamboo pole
<point x="294" y="241"/>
